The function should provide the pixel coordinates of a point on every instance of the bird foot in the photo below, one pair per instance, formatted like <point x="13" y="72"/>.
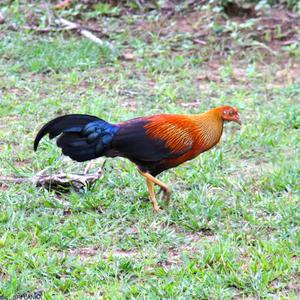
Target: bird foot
<point x="166" y="193"/>
<point x="156" y="208"/>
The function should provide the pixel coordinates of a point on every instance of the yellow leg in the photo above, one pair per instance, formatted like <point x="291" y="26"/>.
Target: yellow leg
<point x="165" y="188"/>
<point x="150" y="186"/>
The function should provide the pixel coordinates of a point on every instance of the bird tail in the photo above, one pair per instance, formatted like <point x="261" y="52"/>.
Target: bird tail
<point x="82" y="137"/>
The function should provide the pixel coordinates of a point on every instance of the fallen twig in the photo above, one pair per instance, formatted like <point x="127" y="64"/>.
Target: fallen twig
<point x="45" y="29"/>
<point x="60" y="181"/>
<point x="84" y="32"/>
<point x="65" y="182"/>
<point x="67" y="28"/>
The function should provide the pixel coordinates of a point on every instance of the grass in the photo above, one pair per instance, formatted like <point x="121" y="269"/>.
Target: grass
<point x="231" y="229"/>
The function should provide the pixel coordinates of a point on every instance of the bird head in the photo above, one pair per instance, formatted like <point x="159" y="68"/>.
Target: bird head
<point x="230" y="114"/>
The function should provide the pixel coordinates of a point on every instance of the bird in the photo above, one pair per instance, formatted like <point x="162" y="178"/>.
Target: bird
<point x="153" y="143"/>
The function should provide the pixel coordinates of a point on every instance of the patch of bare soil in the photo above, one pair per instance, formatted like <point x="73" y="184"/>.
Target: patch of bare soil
<point x="174" y="258"/>
<point x="288" y="74"/>
<point x="22" y="162"/>
<point x="282" y="26"/>
<point x="274" y="27"/>
<point x="3" y="186"/>
<point x="292" y="287"/>
<point x="89" y="252"/>
<point x="3" y="275"/>
<point x="84" y="253"/>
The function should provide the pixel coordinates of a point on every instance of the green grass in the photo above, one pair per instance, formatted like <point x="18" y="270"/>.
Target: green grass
<point x="231" y="229"/>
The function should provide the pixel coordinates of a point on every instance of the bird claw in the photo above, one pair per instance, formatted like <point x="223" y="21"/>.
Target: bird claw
<point x="156" y="208"/>
<point x="166" y="193"/>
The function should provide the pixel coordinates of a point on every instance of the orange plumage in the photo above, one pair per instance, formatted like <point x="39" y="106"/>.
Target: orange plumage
<point x="190" y="134"/>
<point x="155" y="143"/>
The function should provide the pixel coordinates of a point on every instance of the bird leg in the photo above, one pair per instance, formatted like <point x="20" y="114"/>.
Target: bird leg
<point x="152" y="180"/>
<point x="150" y="186"/>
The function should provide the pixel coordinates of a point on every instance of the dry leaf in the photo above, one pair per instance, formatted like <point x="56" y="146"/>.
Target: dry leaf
<point x="64" y="4"/>
<point x="128" y="56"/>
<point x="2" y="19"/>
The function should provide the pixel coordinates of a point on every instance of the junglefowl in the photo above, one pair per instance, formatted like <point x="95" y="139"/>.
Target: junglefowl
<point x="154" y="143"/>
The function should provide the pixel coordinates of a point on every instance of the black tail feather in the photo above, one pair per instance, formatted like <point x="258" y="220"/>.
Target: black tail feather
<point x="82" y="137"/>
<point x="70" y="140"/>
<point x="74" y="122"/>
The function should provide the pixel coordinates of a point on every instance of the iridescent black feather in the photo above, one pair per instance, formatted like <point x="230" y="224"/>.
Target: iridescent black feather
<point x="82" y="137"/>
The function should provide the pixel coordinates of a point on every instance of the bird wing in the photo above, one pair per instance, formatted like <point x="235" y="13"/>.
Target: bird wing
<point x="152" y="139"/>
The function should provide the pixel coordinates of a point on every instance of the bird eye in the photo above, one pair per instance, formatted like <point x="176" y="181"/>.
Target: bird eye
<point x="231" y="113"/>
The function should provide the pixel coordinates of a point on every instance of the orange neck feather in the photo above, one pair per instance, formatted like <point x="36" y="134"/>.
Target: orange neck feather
<point x="209" y="128"/>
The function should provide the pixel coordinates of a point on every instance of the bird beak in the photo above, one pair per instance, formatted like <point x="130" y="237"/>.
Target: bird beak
<point x="238" y="120"/>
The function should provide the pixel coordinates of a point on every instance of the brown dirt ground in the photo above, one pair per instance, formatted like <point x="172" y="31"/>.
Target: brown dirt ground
<point x="281" y="25"/>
